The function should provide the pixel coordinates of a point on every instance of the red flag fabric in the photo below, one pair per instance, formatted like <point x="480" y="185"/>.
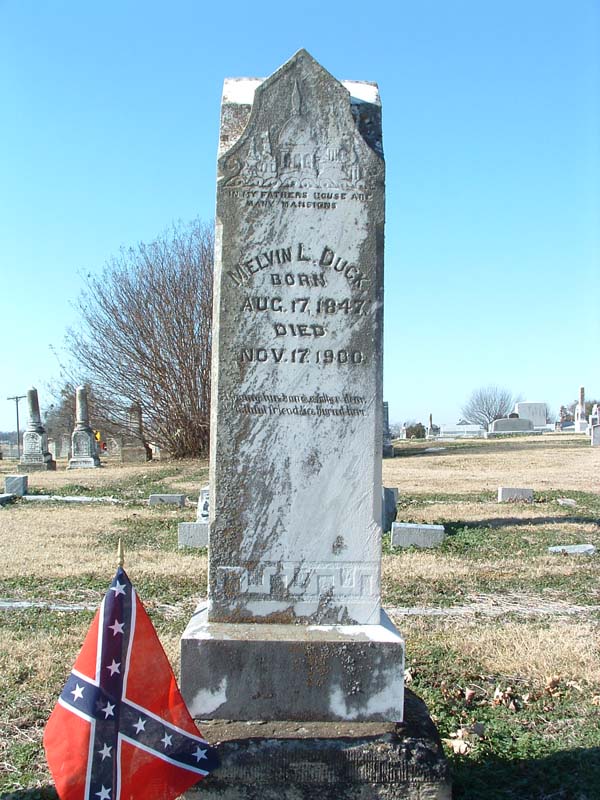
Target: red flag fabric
<point x="120" y="729"/>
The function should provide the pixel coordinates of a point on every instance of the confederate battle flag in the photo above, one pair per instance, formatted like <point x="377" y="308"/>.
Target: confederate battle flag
<point x="120" y="729"/>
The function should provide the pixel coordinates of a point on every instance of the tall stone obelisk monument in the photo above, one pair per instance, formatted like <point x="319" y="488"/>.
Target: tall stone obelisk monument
<point x="293" y="628"/>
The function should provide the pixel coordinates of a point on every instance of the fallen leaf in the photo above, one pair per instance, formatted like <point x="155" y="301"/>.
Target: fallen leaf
<point x="458" y="746"/>
<point x="469" y="696"/>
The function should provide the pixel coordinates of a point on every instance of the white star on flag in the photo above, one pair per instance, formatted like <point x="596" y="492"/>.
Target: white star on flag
<point x="117" y="627"/>
<point x="167" y="740"/>
<point x="104" y="793"/>
<point x="109" y="710"/>
<point x="118" y="589"/>
<point x="198" y="754"/>
<point x="114" y="667"/>
<point x="140" y="725"/>
<point x="105" y="752"/>
<point x="77" y="692"/>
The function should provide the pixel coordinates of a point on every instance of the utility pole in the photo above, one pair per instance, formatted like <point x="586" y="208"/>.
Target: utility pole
<point x="16" y="398"/>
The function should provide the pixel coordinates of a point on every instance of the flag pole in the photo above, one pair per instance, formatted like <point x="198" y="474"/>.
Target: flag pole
<point x="120" y="554"/>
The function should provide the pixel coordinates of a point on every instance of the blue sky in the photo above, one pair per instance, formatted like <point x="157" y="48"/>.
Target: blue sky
<point x="491" y="113"/>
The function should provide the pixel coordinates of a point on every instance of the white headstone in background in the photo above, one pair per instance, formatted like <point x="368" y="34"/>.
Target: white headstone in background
<point x="536" y="412"/>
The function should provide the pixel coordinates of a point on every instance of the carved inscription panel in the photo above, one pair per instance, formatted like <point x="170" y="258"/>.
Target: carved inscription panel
<point x="296" y="434"/>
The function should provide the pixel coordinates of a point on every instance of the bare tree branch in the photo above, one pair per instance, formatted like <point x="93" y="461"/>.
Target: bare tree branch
<point x="487" y="404"/>
<point x="145" y="336"/>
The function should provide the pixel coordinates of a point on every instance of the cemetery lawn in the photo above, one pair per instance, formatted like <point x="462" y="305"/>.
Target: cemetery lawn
<point x="503" y="639"/>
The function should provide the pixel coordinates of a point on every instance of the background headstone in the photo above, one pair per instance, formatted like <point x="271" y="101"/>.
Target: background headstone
<point x="296" y="433"/>
<point x="36" y="455"/>
<point x="508" y="494"/>
<point x="84" y="447"/>
<point x="409" y="534"/>
<point x="16" y="484"/>
<point x="388" y="448"/>
<point x="134" y="449"/>
<point x="536" y="412"/>
<point x="581" y="421"/>
<point x="195" y="534"/>
<point x="511" y="425"/>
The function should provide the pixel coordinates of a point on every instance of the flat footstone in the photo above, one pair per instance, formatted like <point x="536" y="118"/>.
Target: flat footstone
<point x="328" y="761"/>
<point x="573" y="549"/>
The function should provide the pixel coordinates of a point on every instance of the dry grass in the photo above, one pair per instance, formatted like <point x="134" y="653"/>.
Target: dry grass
<point x="430" y="567"/>
<point x="553" y="461"/>
<point x="531" y="651"/>
<point x="56" y="540"/>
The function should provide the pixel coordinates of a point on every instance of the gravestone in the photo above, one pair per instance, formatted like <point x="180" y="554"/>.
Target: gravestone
<point x="16" y="484"/>
<point x="536" y="412"/>
<point x="167" y="499"/>
<point x="409" y="534"/>
<point x="581" y="421"/>
<point x="133" y="449"/>
<point x="595" y="436"/>
<point x="389" y="503"/>
<point x="84" y="447"/>
<point x="36" y="455"/>
<point x="114" y="447"/>
<point x="294" y="628"/>
<point x="195" y="534"/>
<point x="64" y="448"/>
<point x="53" y="447"/>
<point x="388" y="448"/>
<point x="511" y="425"/>
<point x="509" y="494"/>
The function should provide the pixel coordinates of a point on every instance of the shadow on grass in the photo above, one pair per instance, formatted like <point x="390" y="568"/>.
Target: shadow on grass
<point x="46" y="792"/>
<point x="564" y="775"/>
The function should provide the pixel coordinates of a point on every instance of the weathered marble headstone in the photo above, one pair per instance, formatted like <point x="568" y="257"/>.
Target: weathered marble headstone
<point x="36" y="455"/>
<point x="64" y="449"/>
<point x="294" y="627"/>
<point x="133" y="449"/>
<point x="84" y="447"/>
<point x="595" y="436"/>
<point x="114" y="447"/>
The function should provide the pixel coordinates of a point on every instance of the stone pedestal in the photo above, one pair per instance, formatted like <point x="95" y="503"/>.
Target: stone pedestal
<point x="328" y="761"/>
<point x="84" y="447"/>
<point x="36" y="455"/>
<point x="300" y="672"/>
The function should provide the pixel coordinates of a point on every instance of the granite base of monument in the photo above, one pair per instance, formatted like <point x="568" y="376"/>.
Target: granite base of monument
<point x="328" y="761"/>
<point x="84" y="462"/>
<point x="47" y="463"/>
<point x="252" y="671"/>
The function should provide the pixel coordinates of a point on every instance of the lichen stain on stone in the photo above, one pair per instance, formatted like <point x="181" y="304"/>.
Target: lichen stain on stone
<point x="312" y="463"/>
<point x="338" y="546"/>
